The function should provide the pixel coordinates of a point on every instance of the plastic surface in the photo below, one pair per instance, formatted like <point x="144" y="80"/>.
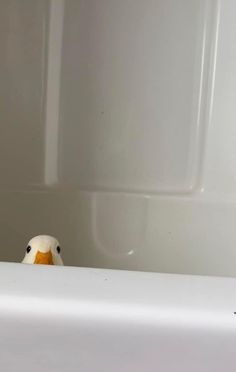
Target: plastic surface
<point x="132" y="76"/>
<point x="68" y="319"/>
<point x="118" y="137"/>
<point x="118" y="132"/>
<point x="23" y="35"/>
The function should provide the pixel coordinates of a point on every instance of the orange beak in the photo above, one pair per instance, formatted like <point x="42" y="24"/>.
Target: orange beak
<point x="43" y="258"/>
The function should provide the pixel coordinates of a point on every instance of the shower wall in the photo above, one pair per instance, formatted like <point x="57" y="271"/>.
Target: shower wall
<point x="118" y="132"/>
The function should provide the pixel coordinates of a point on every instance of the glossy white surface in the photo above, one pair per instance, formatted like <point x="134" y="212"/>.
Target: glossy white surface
<point x="132" y="93"/>
<point x="22" y="64"/>
<point x="57" y="319"/>
<point x="153" y="113"/>
<point x="118" y="137"/>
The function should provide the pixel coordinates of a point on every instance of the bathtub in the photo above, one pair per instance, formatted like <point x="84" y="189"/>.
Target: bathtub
<point x="83" y="319"/>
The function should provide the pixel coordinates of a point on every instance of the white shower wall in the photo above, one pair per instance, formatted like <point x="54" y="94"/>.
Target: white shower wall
<point x="118" y="132"/>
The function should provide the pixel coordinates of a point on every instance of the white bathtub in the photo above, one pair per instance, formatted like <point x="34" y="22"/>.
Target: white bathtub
<point x="60" y="319"/>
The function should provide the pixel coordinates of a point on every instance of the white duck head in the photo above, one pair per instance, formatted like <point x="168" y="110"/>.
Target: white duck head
<point x="44" y="250"/>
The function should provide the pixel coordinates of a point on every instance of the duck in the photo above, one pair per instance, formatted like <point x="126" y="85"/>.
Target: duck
<point x="43" y="250"/>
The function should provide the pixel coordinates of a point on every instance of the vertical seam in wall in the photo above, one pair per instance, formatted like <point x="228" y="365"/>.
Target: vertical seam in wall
<point x="210" y="76"/>
<point x="53" y="80"/>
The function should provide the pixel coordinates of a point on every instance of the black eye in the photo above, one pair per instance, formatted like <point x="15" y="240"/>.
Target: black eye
<point x="28" y="249"/>
<point x="58" y="249"/>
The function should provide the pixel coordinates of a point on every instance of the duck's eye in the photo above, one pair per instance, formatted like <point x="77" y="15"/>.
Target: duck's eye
<point x="58" y="249"/>
<point x="28" y="249"/>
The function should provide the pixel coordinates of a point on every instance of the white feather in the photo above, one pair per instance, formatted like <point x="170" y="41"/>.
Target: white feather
<point x="44" y="244"/>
